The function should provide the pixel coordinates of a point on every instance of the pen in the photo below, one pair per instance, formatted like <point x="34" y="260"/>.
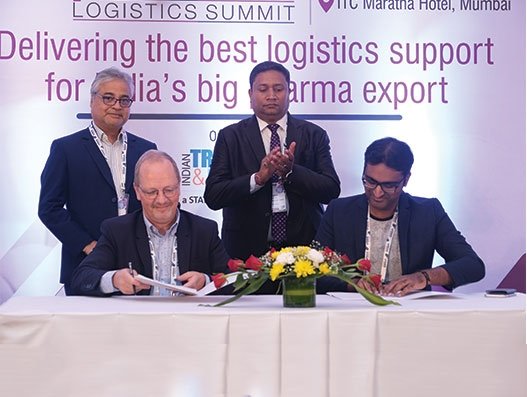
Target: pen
<point x="131" y="274"/>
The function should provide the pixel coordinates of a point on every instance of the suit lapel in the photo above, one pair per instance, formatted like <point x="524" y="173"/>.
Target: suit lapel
<point x="360" y="226"/>
<point x="131" y="158"/>
<point x="143" y="246"/>
<point x="97" y="157"/>
<point x="253" y="139"/>
<point x="293" y="133"/>
<point x="403" y="225"/>
<point x="183" y="243"/>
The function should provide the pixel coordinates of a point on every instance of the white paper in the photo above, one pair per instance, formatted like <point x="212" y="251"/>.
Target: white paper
<point x="350" y="296"/>
<point x="177" y="288"/>
<point x="426" y="295"/>
<point x="210" y="287"/>
<point x="346" y="296"/>
<point x="207" y="289"/>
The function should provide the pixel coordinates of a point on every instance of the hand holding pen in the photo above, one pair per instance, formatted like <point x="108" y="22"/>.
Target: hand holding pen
<point x="124" y="280"/>
<point x="132" y="274"/>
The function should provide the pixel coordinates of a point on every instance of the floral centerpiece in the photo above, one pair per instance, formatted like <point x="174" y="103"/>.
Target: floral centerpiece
<point x="297" y="268"/>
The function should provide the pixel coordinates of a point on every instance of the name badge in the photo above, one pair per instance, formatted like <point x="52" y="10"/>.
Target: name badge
<point x="122" y="204"/>
<point x="279" y="203"/>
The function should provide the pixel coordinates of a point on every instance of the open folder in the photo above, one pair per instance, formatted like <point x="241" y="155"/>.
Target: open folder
<point x="207" y="289"/>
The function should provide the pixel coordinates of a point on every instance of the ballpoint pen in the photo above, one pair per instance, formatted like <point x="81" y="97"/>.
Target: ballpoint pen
<point x="132" y="274"/>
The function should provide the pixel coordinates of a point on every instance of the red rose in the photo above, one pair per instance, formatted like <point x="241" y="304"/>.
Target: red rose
<point x="253" y="263"/>
<point x="328" y="251"/>
<point x="234" y="264"/>
<point x="219" y="279"/>
<point x="375" y="279"/>
<point x="345" y="258"/>
<point x="364" y="265"/>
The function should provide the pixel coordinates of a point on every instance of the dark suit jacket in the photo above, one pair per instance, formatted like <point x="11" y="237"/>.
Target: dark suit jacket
<point x="246" y="217"/>
<point x="77" y="193"/>
<point x="423" y="227"/>
<point x="124" y="239"/>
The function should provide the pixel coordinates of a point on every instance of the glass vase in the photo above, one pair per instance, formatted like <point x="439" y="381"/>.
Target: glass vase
<point x="299" y="292"/>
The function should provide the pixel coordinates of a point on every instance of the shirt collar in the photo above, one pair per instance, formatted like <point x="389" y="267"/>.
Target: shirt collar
<point x="104" y="138"/>
<point x="172" y="230"/>
<point x="263" y="124"/>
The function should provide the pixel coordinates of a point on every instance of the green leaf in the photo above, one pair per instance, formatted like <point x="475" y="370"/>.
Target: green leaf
<point x="240" y="282"/>
<point x="253" y="285"/>
<point x="351" y="274"/>
<point x="374" y="298"/>
<point x="370" y="297"/>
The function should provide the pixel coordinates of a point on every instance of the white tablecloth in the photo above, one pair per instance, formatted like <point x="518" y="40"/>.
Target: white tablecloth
<point x="463" y="345"/>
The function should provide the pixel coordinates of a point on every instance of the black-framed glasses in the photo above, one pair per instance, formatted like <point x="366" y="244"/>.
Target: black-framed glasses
<point x="387" y="187"/>
<point x="110" y="100"/>
<point x="169" y="192"/>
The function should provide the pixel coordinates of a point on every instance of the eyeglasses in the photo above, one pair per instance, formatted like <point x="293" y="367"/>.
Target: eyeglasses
<point x="168" y="192"/>
<point x="387" y="187"/>
<point x="110" y="100"/>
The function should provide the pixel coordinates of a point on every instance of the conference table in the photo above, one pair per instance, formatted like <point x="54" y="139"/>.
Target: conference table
<point x="430" y="345"/>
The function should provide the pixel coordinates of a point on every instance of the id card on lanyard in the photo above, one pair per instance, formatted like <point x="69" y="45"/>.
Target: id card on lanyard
<point x="387" y="245"/>
<point x="279" y="201"/>
<point x="122" y="197"/>
<point x="174" y="268"/>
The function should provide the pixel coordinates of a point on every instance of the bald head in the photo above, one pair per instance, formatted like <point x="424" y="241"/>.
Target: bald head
<point x="151" y="156"/>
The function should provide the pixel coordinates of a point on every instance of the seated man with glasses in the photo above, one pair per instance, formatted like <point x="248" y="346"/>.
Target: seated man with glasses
<point x="88" y="175"/>
<point x="161" y="241"/>
<point x="397" y="232"/>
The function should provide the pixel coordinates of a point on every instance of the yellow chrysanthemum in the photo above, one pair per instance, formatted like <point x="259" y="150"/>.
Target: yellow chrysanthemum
<point x="276" y="270"/>
<point x="274" y="255"/>
<point x="302" y="251"/>
<point x="303" y="268"/>
<point x="324" y="268"/>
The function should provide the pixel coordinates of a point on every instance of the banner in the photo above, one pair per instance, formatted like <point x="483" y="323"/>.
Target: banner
<point x="446" y="76"/>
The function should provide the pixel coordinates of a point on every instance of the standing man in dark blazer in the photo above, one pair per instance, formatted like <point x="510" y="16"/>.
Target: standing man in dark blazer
<point x="160" y="241"/>
<point x="269" y="169"/>
<point x="88" y="175"/>
<point x="397" y="232"/>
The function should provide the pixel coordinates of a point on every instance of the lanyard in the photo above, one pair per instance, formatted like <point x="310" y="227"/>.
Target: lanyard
<point x="387" y="245"/>
<point x="100" y="145"/>
<point x="174" y="268"/>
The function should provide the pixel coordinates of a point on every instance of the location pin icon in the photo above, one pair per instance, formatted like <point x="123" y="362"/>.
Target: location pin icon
<point x="326" y="4"/>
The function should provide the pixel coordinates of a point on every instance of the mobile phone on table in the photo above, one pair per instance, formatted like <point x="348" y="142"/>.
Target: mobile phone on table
<point x="500" y="292"/>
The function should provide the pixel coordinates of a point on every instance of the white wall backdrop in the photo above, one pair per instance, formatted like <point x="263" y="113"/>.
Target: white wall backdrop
<point x="450" y="82"/>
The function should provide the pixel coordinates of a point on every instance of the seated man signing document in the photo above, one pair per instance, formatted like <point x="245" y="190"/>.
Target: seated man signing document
<point x="160" y="241"/>
<point x="397" y="232"/>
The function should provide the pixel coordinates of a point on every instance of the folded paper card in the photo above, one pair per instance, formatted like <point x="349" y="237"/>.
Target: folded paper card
<point x="207" y="289"/>
<point x="349" y="296"/>
<point x="171" y="287"/>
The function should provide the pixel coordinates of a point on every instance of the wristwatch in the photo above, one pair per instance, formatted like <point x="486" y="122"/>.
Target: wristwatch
<point x="427" y="278"/>
<point x="286" y="176"/>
